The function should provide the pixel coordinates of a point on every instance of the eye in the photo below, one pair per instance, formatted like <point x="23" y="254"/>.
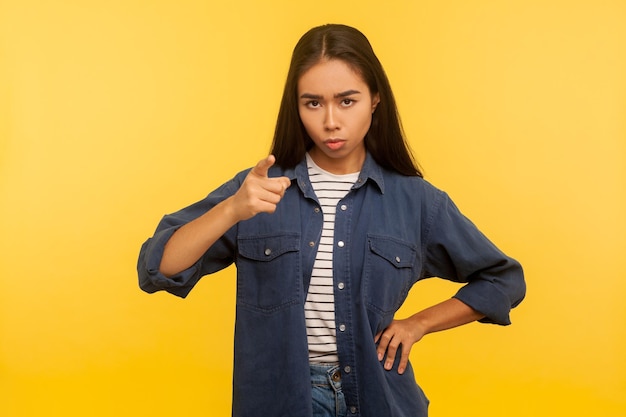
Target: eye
<point x="313" y="104"/>
<point x="346" y="102"/>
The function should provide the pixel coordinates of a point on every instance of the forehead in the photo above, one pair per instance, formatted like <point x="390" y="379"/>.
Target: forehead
<point x="332" y="75"/>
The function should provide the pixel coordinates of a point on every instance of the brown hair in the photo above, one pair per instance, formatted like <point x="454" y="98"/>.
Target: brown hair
<point x="385" y="140"/>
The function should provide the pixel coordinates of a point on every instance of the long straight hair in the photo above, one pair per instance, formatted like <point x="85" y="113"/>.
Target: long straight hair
<point x="385" y="140"/>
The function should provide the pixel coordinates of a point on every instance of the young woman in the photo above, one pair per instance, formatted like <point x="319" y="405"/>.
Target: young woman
<point x="328" y="234"/>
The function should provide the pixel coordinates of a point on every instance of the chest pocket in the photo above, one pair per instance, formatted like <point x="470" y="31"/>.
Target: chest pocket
<point x="268" y="271"/>
<point x="389" y="270"/>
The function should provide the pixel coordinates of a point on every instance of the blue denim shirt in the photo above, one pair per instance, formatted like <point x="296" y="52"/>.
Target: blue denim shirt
<point x="391" y="231"/>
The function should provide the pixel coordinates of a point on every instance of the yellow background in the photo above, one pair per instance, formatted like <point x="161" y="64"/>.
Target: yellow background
<point x="113" y="113"/>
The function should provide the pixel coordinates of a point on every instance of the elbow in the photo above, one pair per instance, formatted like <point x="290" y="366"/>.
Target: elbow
<point x="517" y="284"/>
<point x="519" y="290"/>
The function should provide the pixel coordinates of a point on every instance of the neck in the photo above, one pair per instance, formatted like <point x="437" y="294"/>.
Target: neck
<point x="341" y="165"/>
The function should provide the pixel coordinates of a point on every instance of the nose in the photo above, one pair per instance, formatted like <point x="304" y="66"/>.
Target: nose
<point x="330" y="119"/>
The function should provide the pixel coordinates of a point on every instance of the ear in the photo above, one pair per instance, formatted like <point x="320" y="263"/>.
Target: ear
<point x="375" y="101"/>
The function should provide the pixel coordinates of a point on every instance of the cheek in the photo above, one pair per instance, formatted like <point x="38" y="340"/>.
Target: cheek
<point x="365" y="122"/>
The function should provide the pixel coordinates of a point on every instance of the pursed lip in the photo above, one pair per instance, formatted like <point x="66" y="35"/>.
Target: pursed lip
<point x="334" y="144"/>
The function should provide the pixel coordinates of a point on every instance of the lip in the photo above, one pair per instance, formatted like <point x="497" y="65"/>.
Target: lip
<point x="334" y="143"/>
<point x="334" y="140"/>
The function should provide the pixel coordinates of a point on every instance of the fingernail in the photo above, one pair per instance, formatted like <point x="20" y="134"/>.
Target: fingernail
<point x="380" y="357"/>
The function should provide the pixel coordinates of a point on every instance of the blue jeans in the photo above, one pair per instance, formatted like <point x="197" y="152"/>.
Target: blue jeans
<point x="328" y="400"/>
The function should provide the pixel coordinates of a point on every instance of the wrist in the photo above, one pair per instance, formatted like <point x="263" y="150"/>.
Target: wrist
<point x="420" y="324"/>
<point x="229" y="211"/>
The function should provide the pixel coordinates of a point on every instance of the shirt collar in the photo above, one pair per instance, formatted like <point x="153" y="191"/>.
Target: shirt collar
<point x="370" y="171"/>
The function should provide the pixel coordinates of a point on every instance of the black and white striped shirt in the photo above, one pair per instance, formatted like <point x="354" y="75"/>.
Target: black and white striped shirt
<point x="319" y="308"/>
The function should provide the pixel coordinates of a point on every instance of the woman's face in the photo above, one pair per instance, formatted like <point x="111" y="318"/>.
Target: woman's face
<point x="336" y="107"/>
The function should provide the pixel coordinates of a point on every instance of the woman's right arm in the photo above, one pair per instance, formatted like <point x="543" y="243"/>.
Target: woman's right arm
<point x="257" y="194"/>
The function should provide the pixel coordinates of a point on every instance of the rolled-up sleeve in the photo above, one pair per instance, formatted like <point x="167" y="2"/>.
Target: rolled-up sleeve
<point x="456" y="250"/>
<point x="219" y="256"/>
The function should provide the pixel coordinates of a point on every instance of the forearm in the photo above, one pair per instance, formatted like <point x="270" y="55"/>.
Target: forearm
<point x="192" y="240"/>
<point x="445" y="315"/>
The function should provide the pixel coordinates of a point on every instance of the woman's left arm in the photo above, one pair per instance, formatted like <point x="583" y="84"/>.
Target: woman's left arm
<point x="454" y="249"/>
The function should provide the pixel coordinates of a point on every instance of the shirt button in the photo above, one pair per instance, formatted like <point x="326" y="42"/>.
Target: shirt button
<point x="353" y="410"/>
<point x="311" y="244"/>
<point x="397" y="259"/>
<point x="316" y="209"/>
<point x="343" y="207"/>
<point x="340" y="244"/>
<point x="268" y="252"/>
<point x="342" y="327"/>
<point x="341" y="285"/>
<point x="347" y="369"/>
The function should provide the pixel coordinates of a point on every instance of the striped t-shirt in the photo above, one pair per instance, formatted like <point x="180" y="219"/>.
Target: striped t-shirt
<point x="319" y="308"/>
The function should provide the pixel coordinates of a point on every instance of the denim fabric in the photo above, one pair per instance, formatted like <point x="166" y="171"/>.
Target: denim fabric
<point x="328" y="399"/>
<point x="390" y="232"/>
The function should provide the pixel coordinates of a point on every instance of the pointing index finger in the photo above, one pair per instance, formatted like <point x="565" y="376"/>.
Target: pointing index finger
<point x="264" y="165"/>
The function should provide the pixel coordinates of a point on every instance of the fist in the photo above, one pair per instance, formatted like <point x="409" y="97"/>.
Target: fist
<point x="260" y="193"/>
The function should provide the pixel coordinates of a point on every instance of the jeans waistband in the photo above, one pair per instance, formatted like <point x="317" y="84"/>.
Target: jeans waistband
<point x="326" y="375"/>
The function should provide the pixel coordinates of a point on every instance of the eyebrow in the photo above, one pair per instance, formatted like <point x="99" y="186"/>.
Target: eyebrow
<point x="338" y="95"/>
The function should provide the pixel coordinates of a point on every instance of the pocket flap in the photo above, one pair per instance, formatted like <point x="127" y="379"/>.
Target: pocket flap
<point x="267" y="248"/>
<point x="398" y="253"/>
